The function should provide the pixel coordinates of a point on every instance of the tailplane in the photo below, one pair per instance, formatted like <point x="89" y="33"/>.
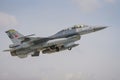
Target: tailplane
<point x="14" y="36"/>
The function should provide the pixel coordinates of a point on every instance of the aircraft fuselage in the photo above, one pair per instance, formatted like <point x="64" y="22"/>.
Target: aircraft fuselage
<point x="62" y="40"/>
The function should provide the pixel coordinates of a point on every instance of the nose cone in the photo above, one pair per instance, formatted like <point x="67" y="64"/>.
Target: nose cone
<point x="99" y="28"/>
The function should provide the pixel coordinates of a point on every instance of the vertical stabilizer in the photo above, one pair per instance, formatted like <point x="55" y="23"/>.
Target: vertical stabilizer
<point x="14" y="36"/>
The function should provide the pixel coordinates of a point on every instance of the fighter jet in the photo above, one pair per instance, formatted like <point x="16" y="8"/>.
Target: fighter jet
<point x="63" y="40"/>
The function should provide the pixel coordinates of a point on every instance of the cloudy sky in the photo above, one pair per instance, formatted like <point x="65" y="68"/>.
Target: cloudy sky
<point x="96" y="58"/>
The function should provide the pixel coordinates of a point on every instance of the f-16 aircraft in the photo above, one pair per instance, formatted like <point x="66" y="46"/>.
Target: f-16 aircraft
<point x="63" y="40"/>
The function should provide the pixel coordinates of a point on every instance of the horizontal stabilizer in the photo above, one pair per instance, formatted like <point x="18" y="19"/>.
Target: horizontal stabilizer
<point x="7" y="50"/>
<point x="26" y="36"/>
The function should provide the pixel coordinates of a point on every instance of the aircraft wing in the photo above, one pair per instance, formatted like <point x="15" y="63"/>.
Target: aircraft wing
<point x="35" y="40"/>
<point x="39" y="40"/>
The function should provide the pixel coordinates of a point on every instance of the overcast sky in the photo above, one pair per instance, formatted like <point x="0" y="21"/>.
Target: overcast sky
<point x="96" y="58"/>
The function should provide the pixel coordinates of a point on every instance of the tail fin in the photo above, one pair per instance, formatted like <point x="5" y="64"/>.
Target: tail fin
<point x="14" y="36"/>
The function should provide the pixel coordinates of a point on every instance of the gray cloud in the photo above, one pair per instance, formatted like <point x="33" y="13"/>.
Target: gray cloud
<point x="110" y="1"/>
<point x="87" y="5"/>
<point x="91" y="5"/>
<point x="7" y="20"/>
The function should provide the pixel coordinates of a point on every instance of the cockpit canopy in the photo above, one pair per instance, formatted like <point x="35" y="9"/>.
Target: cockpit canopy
<point x="79" y="26"/>
<point x="76" y="26"/>
<point x="69" y="30"/>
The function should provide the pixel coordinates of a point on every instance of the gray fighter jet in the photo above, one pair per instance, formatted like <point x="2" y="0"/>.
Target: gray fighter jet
<point x="63" y="40"/>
